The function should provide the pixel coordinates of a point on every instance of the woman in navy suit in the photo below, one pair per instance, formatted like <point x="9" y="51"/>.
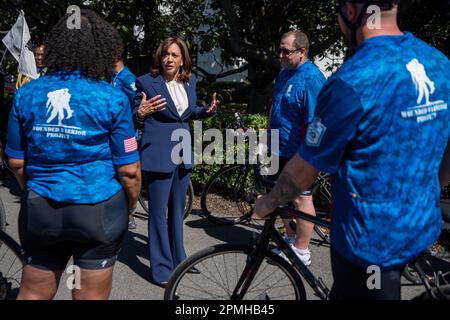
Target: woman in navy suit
<point x="166" y="101"/>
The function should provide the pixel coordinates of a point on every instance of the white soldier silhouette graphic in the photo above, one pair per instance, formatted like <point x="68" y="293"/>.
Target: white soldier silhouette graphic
<point x="57" y="102"/>
<point x="423" y="84"/>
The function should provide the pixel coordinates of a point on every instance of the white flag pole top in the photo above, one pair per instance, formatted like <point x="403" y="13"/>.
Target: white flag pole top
<point x="16" y="41"/>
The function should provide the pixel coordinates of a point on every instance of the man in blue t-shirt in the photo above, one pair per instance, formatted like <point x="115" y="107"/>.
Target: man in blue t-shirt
<point x="381" y="128"/>
<point x="124" y="80"/>
<point x="294" y="101"/>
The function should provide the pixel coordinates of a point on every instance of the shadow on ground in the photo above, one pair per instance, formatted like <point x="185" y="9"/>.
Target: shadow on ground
<point x="229" y="234"/>
<point x="134" y="248"/>
<point x="10" y="182"/>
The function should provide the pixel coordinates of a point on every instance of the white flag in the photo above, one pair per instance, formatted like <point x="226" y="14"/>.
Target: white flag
<point x="16" y="41"/>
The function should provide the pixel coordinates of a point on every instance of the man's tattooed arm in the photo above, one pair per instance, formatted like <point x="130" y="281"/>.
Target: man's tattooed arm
<point x="296" y="177"/>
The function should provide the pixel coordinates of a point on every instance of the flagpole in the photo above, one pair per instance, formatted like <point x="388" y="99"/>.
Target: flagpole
<point x="22" y="16"/>
<point x="3" y="57"/>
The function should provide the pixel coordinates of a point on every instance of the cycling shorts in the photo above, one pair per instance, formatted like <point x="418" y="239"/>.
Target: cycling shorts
<point x="282" y="161"/>
<point x="52" y="232"/>
<point x="352" y="282"/>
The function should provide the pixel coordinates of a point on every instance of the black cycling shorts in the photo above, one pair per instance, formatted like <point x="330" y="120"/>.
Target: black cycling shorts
<point x="282" y="161"/>
<point x="52" y="232"/>
<point x="351" y="281"/>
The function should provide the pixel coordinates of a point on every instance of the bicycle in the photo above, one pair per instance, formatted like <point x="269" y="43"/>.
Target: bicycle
<point x="253" y="271"/>
<point x="2" y="216"/>
<point x="11" y="263"/>
<point x="236" y="186"/>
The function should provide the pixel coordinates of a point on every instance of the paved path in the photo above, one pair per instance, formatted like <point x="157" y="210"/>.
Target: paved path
<point x="132" y="271"/>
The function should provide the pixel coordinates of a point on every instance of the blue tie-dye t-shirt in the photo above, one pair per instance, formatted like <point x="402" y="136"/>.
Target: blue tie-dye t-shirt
<point x="125" y="80"/>
<point x="381" y="126"/>
<point x="71" y="131"/>
<point x="294" y="101"/>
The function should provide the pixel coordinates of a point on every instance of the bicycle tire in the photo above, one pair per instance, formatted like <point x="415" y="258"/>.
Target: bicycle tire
<point x="323" y="233"/>
<point x="411" y="275"/>
<point x="189" y="200"/>
<point x="228" y="188"/>
<point x="217" y="278"/>
<point x="11" y="264"/>
<point x="322" y="196"/>
<point x="2" y="216"/>
<point x="437" y="293"/>
<point x="143" y="198"/>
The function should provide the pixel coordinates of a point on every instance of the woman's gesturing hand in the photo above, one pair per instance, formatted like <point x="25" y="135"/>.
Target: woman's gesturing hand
<point x="214" y="104"/>
<point x="147" y="107"/>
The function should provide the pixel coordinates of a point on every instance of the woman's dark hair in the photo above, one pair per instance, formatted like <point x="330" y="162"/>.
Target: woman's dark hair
<point x="93" y="49"/>
<point x="186" y="67"/>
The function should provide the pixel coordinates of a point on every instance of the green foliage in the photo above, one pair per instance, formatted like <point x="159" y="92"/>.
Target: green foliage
<point x="205" y="89"/>
<point x="428" y="20"/>
<point x="140" y="22"/>
<point x="221" y="121"/>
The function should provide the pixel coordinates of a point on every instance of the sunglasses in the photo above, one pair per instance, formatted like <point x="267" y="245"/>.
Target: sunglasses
<point x="286" y="52"/>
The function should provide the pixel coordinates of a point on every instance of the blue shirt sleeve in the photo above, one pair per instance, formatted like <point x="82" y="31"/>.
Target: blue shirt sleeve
<point x="128" y="86"/>
<point x="335" y="122"/>
<point x="310" y="94"/>
<point x="123" y="140"/>
<point x="16" y="143"/>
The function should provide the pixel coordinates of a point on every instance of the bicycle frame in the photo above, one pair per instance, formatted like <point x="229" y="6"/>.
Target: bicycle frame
<point x="11" y="243"/>
<point x="261" y="246"/>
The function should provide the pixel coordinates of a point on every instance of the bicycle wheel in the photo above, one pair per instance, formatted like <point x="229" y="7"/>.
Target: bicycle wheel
<point x="220" y="268"/>
<point x="143" y="197"/>
<point x="411" y="275"/>
<point x="323" y="233"/>
<point x="2" y="216"/>
<point x="322" y="195"/>
<point x="189" y="200"/>
<point x="437" y="293"/>
<point x="226" y="197"/>
<point x="322" y="203"/>
<point x="10" y="267"/>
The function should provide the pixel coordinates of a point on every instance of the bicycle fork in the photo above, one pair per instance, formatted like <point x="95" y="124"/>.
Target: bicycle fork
<point x="254" y="261"/>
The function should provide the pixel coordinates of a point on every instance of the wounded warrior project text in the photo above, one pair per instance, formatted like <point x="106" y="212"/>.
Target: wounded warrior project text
<point x="59" y="132"/>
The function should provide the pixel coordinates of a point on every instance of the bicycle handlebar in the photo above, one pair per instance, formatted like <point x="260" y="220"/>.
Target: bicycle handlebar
<point x="239" y="122"/>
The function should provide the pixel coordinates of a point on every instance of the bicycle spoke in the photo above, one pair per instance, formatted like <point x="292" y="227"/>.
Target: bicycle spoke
<point x="220" y="273"/>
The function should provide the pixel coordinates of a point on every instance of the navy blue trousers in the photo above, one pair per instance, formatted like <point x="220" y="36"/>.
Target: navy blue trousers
<point x="167" y="196"/>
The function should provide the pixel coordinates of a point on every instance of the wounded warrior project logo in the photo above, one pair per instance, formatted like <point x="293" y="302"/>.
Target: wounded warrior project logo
<point x="58" y="108"/>
<point x="425" y="87"/>
<point x="57" y="103"/>
<point x="315" y="132"/>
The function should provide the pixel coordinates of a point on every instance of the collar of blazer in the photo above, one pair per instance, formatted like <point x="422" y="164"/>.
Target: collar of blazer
<point x="159" y="85"/>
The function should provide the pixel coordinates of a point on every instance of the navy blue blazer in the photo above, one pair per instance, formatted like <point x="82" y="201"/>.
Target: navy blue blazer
<point x="156" y="145"/>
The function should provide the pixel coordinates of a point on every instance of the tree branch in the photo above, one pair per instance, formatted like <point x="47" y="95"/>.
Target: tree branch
<point x="324" y="45"/>
<point x="230" y="17"/>
<point x="212" y="77"/>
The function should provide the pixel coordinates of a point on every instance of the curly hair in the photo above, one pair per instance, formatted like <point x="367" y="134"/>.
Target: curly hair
<point x="184" y="73"/>
<point x="92" y="49"/>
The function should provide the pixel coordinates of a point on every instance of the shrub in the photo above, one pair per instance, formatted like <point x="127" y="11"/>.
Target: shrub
<point x="221" y="121"/>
